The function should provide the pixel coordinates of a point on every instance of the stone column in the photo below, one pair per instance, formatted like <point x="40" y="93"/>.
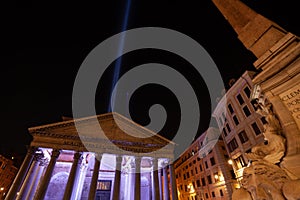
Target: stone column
<point x="173" y="182"/>
<point x="21" y="174"/>
<point x="131" y="180"/>
<point x="80" y="181"/>
<point x="72" y="176"/>
<point x="155" y="179"/>
<point x="28" y="180"/>
<point x="160" y="184"/>
<point x="40" y="194"/>
<point x="117" y="179"/>
<point x="166" y="184"/>
<point x="36" y="180"/>
<point x="137" y="191"/>
<point x="93" y="187"/>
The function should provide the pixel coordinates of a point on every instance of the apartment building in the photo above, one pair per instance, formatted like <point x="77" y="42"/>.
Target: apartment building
<point x="240" y="125"/>
<point x="202" y="171"/>
<point x="7" y="174"/>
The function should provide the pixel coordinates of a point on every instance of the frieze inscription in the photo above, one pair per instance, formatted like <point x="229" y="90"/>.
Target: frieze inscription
<point x="291" y="99"/>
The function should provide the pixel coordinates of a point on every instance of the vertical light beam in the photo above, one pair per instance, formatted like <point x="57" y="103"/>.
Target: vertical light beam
<point x="117" y="67"/>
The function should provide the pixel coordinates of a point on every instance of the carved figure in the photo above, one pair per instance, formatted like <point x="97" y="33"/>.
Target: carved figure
<point x="264" y="180"/>
<point x="274" y="150"/>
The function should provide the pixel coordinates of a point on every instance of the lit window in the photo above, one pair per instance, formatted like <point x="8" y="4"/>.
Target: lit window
<point x="240" y="162"/>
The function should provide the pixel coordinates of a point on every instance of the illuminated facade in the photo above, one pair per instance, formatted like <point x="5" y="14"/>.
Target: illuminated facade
<point x="7" y="173"/>
<point x="240" y="125"/>
<point x="59" y="165"/>
<point x="205" y="174"/>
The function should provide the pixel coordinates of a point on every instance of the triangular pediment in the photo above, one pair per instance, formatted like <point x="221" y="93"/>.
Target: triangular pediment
<point x="99" y="133"/>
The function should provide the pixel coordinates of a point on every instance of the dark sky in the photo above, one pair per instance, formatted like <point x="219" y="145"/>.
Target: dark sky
<point x="49" y="40"/>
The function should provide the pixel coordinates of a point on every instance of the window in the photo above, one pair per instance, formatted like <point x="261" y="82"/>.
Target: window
<point x="209" y="180"/>
<point x="188" y="175"/>
<point x="232" y="145"/>
<point x="228" y="128"/>
<point x="206" y="165"/>
<point x="212" y="161"/>
<point x="0" y="163"/>
<point x="230" y="108"/>
<point x="246" y="111"/>
<point x="185" y="188"/>
<point x="206" y="195"/>
<point x="240" y="162"/>
<point x="247" y="91"/>
<point x="232" y="174"/>
<point x="196" y="170"/>
<point x="256" y="129"/>
<point x="198" y="183"/>
<point x="224" y="132"/>
<point x="201" y="168"/>
<point x="240" y="99"/>
<point x="192" y="173"/>
<point x="235" y="119"/>
<point x="263" y="120"/>
<point x="213" y="194"/>
<point x="184" y="176"/>
<point x="221" y="193"/>
<point x="243" y="137"/>
<point x="224" y="117"/>
<point x="203" y="181"/>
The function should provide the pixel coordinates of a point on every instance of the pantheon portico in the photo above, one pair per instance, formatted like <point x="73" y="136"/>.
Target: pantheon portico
<point x="100" y="164"/>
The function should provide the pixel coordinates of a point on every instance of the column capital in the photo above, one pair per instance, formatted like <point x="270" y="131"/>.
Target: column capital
<point x="55" y="153"/>
<point x="31" y="150"/>
<point x="165" y="163"/>
<point x="119" y="158"/>
<point x="137" y="159"/>
<point x="154" y="163"/>
<point x="77" y="156"/>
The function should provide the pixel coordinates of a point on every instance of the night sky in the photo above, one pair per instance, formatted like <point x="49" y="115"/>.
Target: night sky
<point x="49" y="40"/>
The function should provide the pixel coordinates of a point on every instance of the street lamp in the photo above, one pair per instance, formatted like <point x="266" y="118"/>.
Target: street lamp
<point x="230" y="162"/>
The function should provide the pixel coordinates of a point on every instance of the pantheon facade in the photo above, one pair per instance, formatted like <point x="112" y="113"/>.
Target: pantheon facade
<point x="76" y="159"/>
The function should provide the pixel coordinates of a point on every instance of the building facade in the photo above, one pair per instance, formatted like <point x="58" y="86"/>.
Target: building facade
<point x="7" y="173"/>
<point x="59" y="165"/>
<point x="202" y="171"/>
<point x="240" y="125"/>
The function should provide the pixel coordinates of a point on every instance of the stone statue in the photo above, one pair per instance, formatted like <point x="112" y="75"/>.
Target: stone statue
<point x="274" y="150"/>
<point x="264" y="180"/>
